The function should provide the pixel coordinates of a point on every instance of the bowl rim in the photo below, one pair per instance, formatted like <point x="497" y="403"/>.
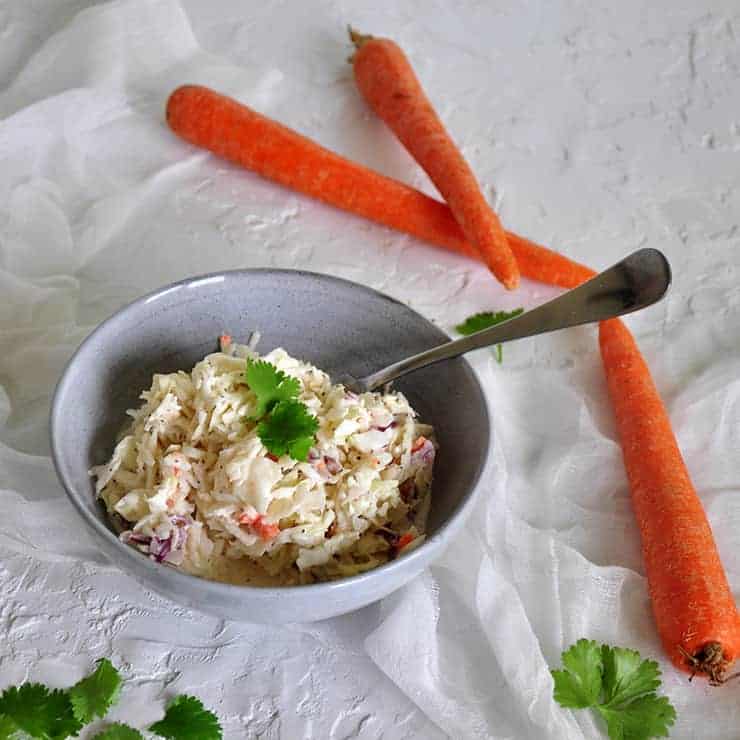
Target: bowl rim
<point x="417" y="555"/>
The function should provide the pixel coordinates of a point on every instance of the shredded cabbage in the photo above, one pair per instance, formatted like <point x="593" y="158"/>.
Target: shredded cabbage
<point x="196" y="488"/>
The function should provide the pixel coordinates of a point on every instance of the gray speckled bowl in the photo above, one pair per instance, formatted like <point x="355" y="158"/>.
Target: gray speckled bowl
<point x="335" y="324"/>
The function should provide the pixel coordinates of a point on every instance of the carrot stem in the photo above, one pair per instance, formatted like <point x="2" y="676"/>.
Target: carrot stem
<point x="357" y="39"/>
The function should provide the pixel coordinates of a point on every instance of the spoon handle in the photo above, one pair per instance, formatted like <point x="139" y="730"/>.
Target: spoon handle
<point x="636" y="282"/>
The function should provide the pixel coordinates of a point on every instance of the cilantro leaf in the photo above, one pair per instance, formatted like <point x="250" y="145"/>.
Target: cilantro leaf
<point x="9" y="730"/>
<point x="579" y="686"/>
<point x="485" y="320"/>
<point x="270" y="385"/>
<point x="299" y="448"/>
<point x="286" y="426"/>
<point x="646" y="717"/>
<point x="119" y="731"/>
<point x="39" y="712"/>
<point x="620" y="685"/>
<point x="187" y="719"/>
<point x="289" y="428"/>
<point x="94" y="695"/>
<point x="626" y="676"/>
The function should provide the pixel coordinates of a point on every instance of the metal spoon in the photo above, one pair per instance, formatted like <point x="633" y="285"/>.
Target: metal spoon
<point x="636" y="282"/>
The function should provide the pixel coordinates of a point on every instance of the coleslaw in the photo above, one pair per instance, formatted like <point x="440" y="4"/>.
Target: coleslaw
<point x="191" y="485"/>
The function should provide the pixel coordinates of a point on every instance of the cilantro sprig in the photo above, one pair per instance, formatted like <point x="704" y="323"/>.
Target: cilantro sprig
<point x="187" y="719"/>
<point x="285" y="423"/>
<point x="619" y="685"/>
<point x="270" y="385"/>
<point x="485" y="320"/>
<point x="94" y="695"/>
<point x="118" y="731"/>
<point x="289" y="428"/>
<point x="32" y="710"/>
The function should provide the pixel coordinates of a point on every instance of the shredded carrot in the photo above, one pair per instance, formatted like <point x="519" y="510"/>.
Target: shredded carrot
<point x="693" y="606"/>
<point x="387" y="81"/>
<point x="404" y="540"/>
<point x="237" y="133"/>
<point x="418" y="443"/>
<point x="266" y="531"/>
<point x="261" y="528"/>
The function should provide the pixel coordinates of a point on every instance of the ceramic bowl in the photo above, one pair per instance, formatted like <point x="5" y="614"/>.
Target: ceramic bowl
<point x="335" y="324"/>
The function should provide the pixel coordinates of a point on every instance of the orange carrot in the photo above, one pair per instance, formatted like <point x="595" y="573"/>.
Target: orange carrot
<point x="237" y="133"/>
<point x="388" y="83"/>
<point x="546" y="266"/>
<point x="695" y="613"/>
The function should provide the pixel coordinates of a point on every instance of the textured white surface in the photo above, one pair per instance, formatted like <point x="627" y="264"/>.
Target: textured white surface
<point x="603" y="126"/>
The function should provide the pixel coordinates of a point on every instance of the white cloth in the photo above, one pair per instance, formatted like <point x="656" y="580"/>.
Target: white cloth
<point x="602" y="133"/>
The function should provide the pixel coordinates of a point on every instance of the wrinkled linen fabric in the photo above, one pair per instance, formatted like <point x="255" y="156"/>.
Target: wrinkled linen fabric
<point x="602" y="133"/>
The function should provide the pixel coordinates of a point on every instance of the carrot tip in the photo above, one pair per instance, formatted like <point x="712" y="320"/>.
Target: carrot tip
<point x="174" y="98"/>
